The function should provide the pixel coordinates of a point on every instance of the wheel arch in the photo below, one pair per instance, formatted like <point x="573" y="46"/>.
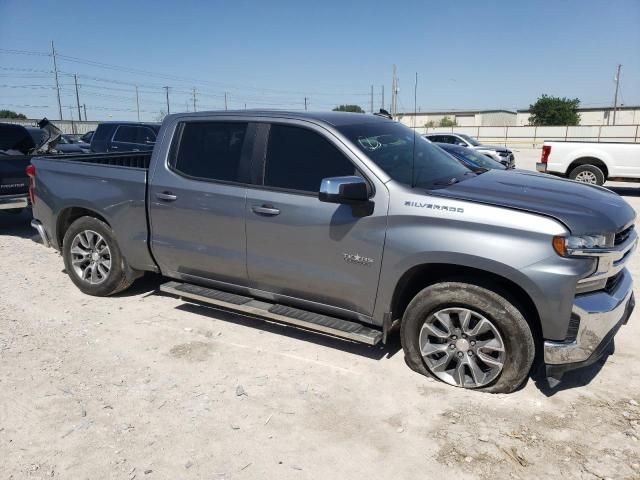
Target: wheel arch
<point x="589" y="160"/>
<point x="420" y="276"/>
<point x="69" y="215"/>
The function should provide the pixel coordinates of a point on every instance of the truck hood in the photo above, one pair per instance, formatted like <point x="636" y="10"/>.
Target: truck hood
<point x="584" y="209"/>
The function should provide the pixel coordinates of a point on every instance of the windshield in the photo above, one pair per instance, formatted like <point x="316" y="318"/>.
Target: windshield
<point x="477" y="158"/>
<point x="391" y="146"/>
<point x="469" y="139"/>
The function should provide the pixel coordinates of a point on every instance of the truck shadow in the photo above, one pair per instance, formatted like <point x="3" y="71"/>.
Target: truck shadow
<point x="18" y="225"/>
<point x="572" y="379"/>
<point x="377" y="352"/>
<point x="626" y="191"/>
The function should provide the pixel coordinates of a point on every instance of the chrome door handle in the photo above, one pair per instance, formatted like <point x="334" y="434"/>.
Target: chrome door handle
<point x="266" y="210"/>
<point x="166" y="196"/>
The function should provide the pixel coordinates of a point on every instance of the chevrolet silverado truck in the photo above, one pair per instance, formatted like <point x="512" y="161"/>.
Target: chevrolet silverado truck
<point x="591" y="162"/>
<point x="353" y="226"/>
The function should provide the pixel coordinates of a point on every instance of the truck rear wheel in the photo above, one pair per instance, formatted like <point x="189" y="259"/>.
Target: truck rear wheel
<point x="467" y="336"/>
<point x="93" y="259"/>
<point x="587" y="174"/>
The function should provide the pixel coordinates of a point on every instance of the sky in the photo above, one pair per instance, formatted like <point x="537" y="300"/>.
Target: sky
<point x="274" y="54"/>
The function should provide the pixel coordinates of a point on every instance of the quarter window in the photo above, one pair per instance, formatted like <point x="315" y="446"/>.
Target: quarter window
<point x="210" y="150"/>
<point x="298" y="159"/>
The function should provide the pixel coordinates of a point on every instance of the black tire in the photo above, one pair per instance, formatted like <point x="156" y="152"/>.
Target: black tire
<point x="120" y="276"/>
<point x="515" y="332"/>
<point x="588" y="171"/>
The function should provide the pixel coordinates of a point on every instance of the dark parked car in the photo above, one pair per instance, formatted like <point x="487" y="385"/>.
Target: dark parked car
<point x="86" y="138"/>
<point x="71" y="144"/>
<point x="471" y="158"/>
<point x="124" y="137"/>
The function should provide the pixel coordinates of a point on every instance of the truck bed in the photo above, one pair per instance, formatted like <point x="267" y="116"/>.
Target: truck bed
<point x="114" y="185"/>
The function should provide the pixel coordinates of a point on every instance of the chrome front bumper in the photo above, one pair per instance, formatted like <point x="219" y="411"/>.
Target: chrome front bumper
<point x="601" y="314"/>
<point x="14" y="201"/>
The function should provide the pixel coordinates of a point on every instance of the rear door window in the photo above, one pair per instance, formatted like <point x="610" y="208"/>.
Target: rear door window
<point x="210" y="150"/>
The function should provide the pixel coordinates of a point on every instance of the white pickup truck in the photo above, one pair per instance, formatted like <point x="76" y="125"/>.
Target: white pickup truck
<point x="591" y="162"/>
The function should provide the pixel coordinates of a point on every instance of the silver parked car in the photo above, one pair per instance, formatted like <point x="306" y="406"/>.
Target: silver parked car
<point x="496" y="152"/>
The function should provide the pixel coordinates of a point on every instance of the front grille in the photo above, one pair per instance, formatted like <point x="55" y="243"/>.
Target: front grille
<point x="622" y="236"/>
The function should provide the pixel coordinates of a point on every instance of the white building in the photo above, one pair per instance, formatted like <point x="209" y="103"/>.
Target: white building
<point x="596" y="116"/>
<point x="475" y="118"/>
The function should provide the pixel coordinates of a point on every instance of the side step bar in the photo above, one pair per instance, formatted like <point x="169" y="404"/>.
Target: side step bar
<point x="279" y="313"/>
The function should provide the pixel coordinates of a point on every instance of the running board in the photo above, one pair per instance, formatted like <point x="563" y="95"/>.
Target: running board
<point x="278" y="313"/>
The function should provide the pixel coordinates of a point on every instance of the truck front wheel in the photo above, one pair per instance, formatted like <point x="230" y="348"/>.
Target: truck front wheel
<point x="93" y="259"/>
<point x="587" y="174"/>
<point x="467" y="336"/>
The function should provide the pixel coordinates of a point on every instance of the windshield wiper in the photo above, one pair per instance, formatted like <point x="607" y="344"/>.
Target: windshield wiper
<point x="449" y="181"/>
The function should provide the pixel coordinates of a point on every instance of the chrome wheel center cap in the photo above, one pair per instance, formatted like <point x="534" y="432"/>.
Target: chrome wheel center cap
<point x="462" y="345"/>
<point x="95" y="257"/>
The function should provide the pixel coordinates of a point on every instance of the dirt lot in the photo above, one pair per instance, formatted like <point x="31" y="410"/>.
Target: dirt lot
<point x="145" y="386"/>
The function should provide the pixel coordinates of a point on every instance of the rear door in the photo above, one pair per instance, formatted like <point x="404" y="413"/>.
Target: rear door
<point x="197" y="201"/>
<point x="304" y="249"/>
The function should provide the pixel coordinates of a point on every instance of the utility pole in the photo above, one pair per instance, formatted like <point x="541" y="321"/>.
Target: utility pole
<point x="371" y="98"/>
<point x="55" y="71"/>
<point x="394" y="94"/>
<point x="84" y="106"/>
<point x="615" y="97"/>
<point x="415" y="102"/>
<point x="225" y="100"/>
<point x="75" y="79"/>
<point x="137" y="103"/>
<point x="166" y="89"/>
<point x="305" y="103"/>
<point x="382" y="92"/>
<point x="194" y="99"/>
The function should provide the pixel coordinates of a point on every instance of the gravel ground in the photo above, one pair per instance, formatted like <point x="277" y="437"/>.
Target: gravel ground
<point x="146" y="386"/>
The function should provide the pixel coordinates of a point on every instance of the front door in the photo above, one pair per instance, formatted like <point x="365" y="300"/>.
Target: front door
<point x="197" y="203"/>
<point x="305" y="249"/>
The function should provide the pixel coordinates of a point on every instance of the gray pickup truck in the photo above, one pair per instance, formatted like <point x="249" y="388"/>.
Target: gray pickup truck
<point x="353" y="226"/>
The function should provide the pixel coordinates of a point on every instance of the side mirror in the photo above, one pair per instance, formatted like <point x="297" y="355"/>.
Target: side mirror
<point x="348" y="190"/>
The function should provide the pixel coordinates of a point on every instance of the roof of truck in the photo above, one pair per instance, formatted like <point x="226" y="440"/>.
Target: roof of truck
<point x="333" y="118"/>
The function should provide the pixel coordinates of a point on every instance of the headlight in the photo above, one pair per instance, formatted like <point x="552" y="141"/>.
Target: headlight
<point x="564" y="245"/>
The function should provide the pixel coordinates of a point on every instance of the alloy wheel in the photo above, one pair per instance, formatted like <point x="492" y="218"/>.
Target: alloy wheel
<point x="462" y="347"/>
<point x="90" y="257"/>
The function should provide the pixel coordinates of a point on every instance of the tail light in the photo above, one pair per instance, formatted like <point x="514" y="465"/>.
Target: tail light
<point x="31" y="173"/>
<point x="546" y="151"/>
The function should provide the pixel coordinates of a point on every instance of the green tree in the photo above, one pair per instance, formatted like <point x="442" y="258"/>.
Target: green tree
<point x="348" y="108"/>
<point x="430" y="124"/>
<point x="12" y="114"/>
<point x="550" y="110"/>
<point x="447" y="122"/>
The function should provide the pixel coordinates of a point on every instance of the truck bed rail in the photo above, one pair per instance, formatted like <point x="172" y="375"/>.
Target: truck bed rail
<point x="130" y="160"/>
